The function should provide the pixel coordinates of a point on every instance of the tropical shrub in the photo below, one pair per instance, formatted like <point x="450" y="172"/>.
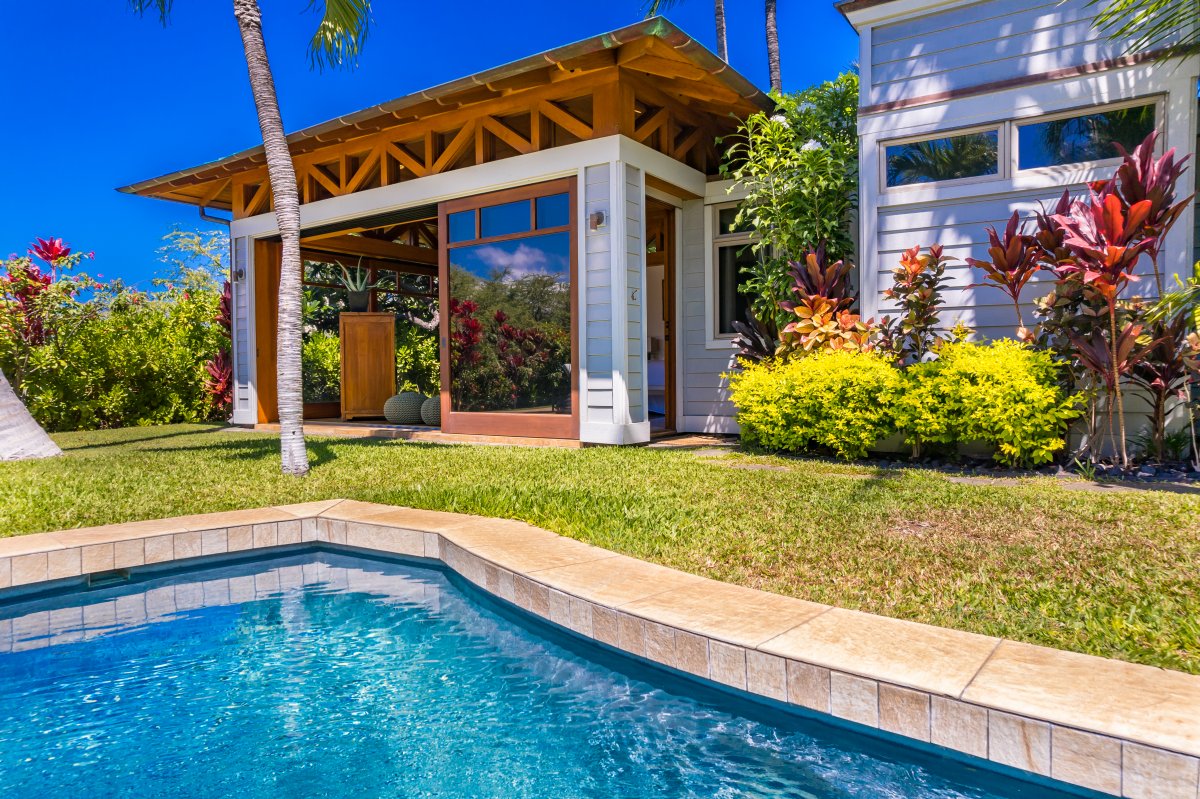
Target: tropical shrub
<point x="837" y="401"/>
<point x="321" y="366"/>
<point x="799" y="169"/>
<point x="417" y="366"/>
<point x="917" y="289"/>
<point x="1004" y="394"/>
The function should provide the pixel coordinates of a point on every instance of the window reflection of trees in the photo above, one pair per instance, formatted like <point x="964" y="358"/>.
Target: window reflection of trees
<point x="1091" y="137"/>
<point x="950" y="158"/>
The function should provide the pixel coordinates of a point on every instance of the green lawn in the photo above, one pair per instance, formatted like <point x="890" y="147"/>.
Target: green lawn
<point x="1109" y="574"/>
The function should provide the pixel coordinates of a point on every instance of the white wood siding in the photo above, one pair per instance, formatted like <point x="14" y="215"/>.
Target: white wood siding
<point x="635" y="289"/>
<point x="597" y="317"/>
<point x="706" y="405"/>
<point x="981" y="43"/>
<point x="244" y="411"/>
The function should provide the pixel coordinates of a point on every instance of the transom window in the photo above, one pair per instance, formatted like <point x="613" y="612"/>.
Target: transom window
<point x="1083" y="137"/>
<point x="969" y="155"/>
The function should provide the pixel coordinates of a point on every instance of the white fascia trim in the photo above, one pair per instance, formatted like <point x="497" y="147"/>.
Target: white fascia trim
<point x="519" y="170"/>
<point x="246" y="261"/>
<point x="629" y="433"/>
<point x="901" y="9"/>
<point x="618" y="275"/>
<point x="662" y="166"/>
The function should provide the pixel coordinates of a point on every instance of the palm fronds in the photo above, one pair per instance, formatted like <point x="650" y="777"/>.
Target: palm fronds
<point x="1170" y="26"/>
<point x="340" y="34"/>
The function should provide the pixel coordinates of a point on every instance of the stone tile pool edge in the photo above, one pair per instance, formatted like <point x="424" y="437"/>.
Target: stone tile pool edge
<point x="1105" y="725"/>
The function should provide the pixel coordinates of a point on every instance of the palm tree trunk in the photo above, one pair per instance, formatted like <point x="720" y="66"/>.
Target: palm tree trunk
<point x="21" y="437"/>
<point x="282" y="174"/>
<point x="773" y="48"/>
<point x="722" y="41"/>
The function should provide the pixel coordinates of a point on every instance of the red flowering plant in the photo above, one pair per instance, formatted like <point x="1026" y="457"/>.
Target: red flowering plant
<point x="37" y="300"/>
<point x="1014" y="259"/>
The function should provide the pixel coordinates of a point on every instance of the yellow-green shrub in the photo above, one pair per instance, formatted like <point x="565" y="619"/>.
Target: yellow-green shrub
<point x="1004" y="394"/>
<point x="834" y="400"/>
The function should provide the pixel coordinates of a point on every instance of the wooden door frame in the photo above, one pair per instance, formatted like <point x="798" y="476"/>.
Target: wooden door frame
<point x="667" y="213"/>
<point x="531" y="425"/>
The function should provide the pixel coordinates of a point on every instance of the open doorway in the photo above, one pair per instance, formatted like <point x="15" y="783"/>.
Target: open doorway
<point x="660" y="315"/>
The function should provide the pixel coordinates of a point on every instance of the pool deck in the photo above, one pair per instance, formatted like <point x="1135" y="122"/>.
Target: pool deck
<point x="1106" y="725"/>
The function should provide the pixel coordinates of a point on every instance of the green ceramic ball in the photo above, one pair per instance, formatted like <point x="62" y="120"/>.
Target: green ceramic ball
<point x="404" y="408"/>
<point x="431" y="412"/>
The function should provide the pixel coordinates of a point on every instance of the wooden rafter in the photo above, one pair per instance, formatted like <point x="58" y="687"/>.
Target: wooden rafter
<point x="565" y="120"/>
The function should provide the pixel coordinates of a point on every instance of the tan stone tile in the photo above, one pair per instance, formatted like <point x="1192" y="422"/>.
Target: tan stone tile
<point x="337" y="531"/>
<point x="854" y="698"/>
<point x="5" y="572"/>
<point x="28" y="569"/>
<point x="97" y="558"/>
<point x="529" y="556"/>
<point x="187" y="545"/>
<point x="478" y="532"/>
<point x="266" y="534"/>
<point x="904" y="711"/>
<point x="385" y="538"/>
<point x="1080" y="758"/>
<point x="433" y="545"/>
<point x="214" y="542"/>
<point x="660" y="643"/>
<point x="491" y="577"/>
<point x="1146" y="705"/>
<point x="958" y="726"/>
<point x="505" y="586"/>
<point x="1151" y="773"/>
<point x="1019" y="742"/>
<point x="726" y="612"/>
<point x="616" y="580"/>
<point x="127" y="554"/>
<point x="918" y="656"/>
<point x="62" y="563"/>
<point x="766" y="675"/>
<point x="539" y="600"/>
<point x="160" y="549"/>
<point x="28" y="544"/>
<point x="727" y="664"/>
<point x="808" y="686"/>
<point x="309" y="509"/>
<point x="604" y="625"/>
<point x="631" y="634"/>
<point x="522" y="587"/>
<point x="239" y="538"/>
<point x="118" y="532"/>
<point x="560" y="608"/>
<point x="691" y="653"/>
<point x="310" y="529"/>
<point x="581" y="616"/>
<point x="233" y="518"/>
<point x="289" y="532"/>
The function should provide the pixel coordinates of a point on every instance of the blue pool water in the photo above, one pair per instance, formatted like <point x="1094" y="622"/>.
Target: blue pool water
<point x="330" y="675"/>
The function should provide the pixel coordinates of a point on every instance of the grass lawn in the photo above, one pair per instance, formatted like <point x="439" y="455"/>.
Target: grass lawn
<point x="1109" y="574"/>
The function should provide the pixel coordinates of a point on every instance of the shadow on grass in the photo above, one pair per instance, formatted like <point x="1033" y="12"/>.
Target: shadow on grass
<point x="322" y="450"/>
<point x="128" y="437"/>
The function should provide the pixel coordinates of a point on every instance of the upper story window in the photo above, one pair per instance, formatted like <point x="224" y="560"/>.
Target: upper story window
<point x="954" y="157"/>
<point x="731" y="255"/>
<point x="1081" y="138"/>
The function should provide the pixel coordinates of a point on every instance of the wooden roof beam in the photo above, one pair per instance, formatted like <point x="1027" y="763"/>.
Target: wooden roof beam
<point x="378" y="248"/>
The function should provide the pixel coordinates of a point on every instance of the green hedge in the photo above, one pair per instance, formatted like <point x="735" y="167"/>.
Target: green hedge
<point x="1003" y="394"/>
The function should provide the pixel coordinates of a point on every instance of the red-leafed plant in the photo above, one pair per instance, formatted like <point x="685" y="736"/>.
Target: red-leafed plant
<point x="1106" y="240"/>
<point x="917" y="288"/>
<point x="1014" y="259"/>
<point x="220" y="368"/>
<point x="1144" y="178"/>
<point x="1162" y="369"/>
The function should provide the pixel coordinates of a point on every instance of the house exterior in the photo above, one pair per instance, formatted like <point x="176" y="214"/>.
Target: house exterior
<point x="590" y="171"/>
<point x="973" y="109"/>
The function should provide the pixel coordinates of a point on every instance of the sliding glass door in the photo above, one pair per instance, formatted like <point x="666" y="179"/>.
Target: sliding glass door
<point x="507" y="267"/>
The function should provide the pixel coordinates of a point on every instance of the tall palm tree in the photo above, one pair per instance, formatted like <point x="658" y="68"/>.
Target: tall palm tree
<point x="338" y="40"/>
<point x="21" y="437"/>
<point x="773" y="49"/>
<point x="656" y="7"/>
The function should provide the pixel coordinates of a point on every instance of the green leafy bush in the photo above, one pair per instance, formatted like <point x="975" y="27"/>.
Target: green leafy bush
<point x="835" y="400"/>
<point x="417" y="366"/>
<point x="321" y="367"/>
<point x="1003" y="394"/>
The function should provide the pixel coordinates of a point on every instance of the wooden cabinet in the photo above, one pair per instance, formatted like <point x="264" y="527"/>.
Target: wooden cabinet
<point x="368" y="363"/>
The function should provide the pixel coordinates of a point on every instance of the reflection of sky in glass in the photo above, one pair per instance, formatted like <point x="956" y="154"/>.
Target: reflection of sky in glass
<point x="501" y="220"/>
<point x="509" y="261"/>
<point x="462" y="226"/>
<point x="1084" y="138"/>
<point x="553" y="211"/>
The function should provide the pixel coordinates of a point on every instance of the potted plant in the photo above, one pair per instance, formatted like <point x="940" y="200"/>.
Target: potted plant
<point x="358" y="286"/>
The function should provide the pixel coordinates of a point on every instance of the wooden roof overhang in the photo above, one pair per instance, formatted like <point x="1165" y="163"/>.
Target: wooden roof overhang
<point x="648" y="81"/>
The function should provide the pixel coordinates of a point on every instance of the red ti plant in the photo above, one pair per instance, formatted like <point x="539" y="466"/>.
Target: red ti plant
<point x="917" y="287"/>
<point x="816" y="277"/>
<point x="1015" y="258"/>
<point x="1109" y="360"/>
<point x="1106" y="241"/>
<point x="1162" y="368"/>
<point x="220" y="368"/>
<point x="1144" y="178"/>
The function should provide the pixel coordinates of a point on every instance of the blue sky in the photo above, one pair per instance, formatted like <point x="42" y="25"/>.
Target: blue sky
<point x="97" y="98"/>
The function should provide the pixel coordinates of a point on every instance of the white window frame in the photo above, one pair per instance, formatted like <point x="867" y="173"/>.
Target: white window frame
<point x="1158" y="101"/>
<point x="715" y="240"/>
<point x="1003" y="171"/>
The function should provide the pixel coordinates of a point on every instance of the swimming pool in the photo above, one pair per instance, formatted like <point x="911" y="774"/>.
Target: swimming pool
<point x="323" y="674"/>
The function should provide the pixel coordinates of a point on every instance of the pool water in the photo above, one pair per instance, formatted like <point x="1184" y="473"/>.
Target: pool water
<point x="331" y="675"/>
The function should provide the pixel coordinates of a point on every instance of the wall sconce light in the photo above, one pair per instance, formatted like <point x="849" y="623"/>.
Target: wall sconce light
<point x="239" y="275"/>
<point x="597" y="220"/>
